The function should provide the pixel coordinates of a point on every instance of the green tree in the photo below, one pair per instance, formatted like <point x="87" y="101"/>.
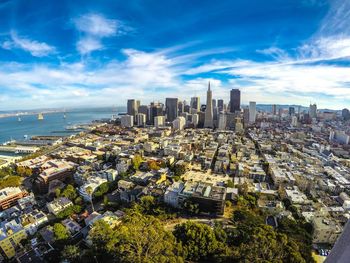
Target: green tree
<point x="78" y="201"/>
<point x="71" y="253"/>
<point x="60" y="232"/>
<point x="301" y="233"/>
<point x="139" y="239"/>
<point x="136" y="161"/>
<point x="179" y="170"/>
<point x="103" y="238"/>
<point x="101" y="190"/>
<point x="153" y="165"/>
<point x="243" y="189"/>
<point x="266" y="245"/>
<point x="10" y="181"/>
<point x="198" y="240"/>
<point x="57" y="192"/>
<point x="74" y="209"/>
<point x="6" y="171"/>
<point x="143" y="239"/>
<point x="230" y="183"/>
<point x="70" y="192"/>
<point x="191" y="207"/>
<point x="147" y="204"/>
<point x="24" y="171"/>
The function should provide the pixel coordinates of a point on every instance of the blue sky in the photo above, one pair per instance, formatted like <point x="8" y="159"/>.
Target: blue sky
<point x="100" y="53"/>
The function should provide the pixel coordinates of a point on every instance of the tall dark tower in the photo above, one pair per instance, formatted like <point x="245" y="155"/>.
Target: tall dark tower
<point x="132" y="107"/>
<point x="220" y="105"/>
<point x="235" y="100"/>
<point x="171" y="105"/>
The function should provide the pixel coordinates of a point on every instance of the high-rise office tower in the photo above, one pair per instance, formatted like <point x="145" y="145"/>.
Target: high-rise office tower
<point x="180" y="107"/>
<point x="222" y="121"/>
<point x="345" y="113"/>
<point x="313" y="111"/>
<point x="140" y="119"/>
<point x="215" y="110"/>
<point x="291" y="111"/>
<point x="171" y="108"/>
<point x="252" y="111"/>
<point x="220" y="105"/>
<point x="208" y="121"/>
<point x="215" y="113"/>
<point x="155" y="110"/>
<point x="195" y="103"/>
<point x="235" y="100"/>
<point x="246" y="117"/>
<point x="230" y="120"/>
<point x="138" y="103"/>
<point x="274" y="109"/>
<point x="132" y="107"/>
<point x="214" y="103"/>
<point x="201" y="118"/>
<point x="145" y="110"/>
<point x="195" y="119"/>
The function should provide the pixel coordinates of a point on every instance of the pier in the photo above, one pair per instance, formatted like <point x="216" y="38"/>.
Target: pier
<point x="18" y="149"/>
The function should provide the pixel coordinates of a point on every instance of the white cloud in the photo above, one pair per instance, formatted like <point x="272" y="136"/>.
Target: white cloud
<point x="95" y="27"/>
<point x="326" y="48"/>
<point x="139" y="76"/>
<point x="275" y="52"/>
<point x="336" y="21"/>
<point x="35" y="48"/>
<point x="87" y="44"/>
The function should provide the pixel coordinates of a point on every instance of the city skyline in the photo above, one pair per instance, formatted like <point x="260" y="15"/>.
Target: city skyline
<point x="94" y="54"/>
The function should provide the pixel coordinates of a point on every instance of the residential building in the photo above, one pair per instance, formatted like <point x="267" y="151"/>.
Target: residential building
<point x="127" y="121"/>
<point x="58" y="205"/>
<point x="179" y="123"/>
<point x="55" y="170"/>
<point x="11" y="234"/>
<point x="326" y="230"/>
<point x="159" y="121"/>
<point x="210" y="198"/>
<point x="10" y="195"/>
<point x="86" y="190"/>
<point x="171" y="196"/>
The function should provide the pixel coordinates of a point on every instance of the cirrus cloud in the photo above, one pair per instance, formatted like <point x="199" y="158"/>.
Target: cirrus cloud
<point x="35" y="48"/>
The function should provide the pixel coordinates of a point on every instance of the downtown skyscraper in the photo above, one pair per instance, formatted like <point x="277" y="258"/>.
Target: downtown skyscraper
<point x="208" y="121"/>
<point x="235" y="100"/>
<point x="171" y="108"/>
<point x="132" y="107"/>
